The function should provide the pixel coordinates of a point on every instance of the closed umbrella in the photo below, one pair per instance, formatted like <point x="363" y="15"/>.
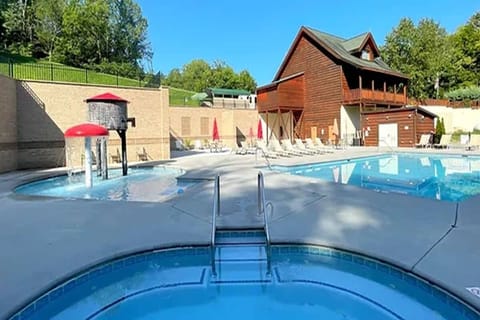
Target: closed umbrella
<point x="216" y="135"/>
<point x="250" y="135"/>
<point x="260" y="130"/>
<point x="335" y="130"/>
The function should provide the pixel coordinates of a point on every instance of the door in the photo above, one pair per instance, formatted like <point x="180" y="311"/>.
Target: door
<point x="388" y="135"/>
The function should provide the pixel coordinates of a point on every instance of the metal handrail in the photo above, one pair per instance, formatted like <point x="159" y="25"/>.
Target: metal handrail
<point x="388" y="146"/>
<point x="264" y="156"/>
<point x="262" y="209"/>
<point x="215" y="213"/>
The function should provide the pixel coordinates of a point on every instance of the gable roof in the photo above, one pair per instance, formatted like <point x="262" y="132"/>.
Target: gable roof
<point x="342" y="50"/>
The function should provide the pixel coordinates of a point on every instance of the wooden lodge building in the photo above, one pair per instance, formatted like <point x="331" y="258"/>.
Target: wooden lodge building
<point x="335" y="88"/>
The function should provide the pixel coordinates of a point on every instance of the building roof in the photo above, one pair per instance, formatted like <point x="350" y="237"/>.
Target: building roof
<point x="342" y="49"/>
<point x="274" y="83"/>
<point x="403" y="109"/>
<point x="226" y="92"/>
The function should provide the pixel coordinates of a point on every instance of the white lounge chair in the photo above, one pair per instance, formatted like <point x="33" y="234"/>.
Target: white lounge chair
<point x="288" y="146"/>
<point x="264" y="150"/>
<point x="474" y="142"/>
<point x="424" y="141"/>
<point x="301" y="146"/>
<point x="246" y="148"/>
<point x="444" y="141"/>
<point x="276" y="147"/>
<point x="318" y="142"/>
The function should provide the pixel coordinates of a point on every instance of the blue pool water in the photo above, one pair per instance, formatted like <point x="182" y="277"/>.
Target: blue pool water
<point x="306" y="282"/>
<point x="441" y="177"/>
<point x="141" y="184"/>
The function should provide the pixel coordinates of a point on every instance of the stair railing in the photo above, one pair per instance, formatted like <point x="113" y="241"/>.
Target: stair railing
<point x="215" y="213"/>
<point x="265" y="208"/>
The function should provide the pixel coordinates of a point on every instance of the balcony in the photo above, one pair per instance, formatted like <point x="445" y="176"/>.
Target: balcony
<point x="374" y="96"/>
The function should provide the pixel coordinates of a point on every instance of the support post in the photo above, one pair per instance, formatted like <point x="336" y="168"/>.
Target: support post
<point x="98" y="145"/>
<point x="103" y="156"/>
<point x="123" y="137"/>
<point x="88" y="162"/>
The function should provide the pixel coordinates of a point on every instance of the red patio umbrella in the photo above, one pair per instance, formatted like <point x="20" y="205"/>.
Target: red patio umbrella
<point x="216" y="135"/>
<point x="260" y="130"/>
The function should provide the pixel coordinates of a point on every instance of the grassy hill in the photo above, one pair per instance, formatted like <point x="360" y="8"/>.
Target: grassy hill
<point x="28" y="68"/>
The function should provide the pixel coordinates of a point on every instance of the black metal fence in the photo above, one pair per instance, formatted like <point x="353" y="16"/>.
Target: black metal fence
<point x="60" y="73"/>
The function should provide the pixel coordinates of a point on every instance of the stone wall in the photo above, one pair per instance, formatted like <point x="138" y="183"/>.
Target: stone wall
<point x="190" y="125"/>
<point x="46" y="110"/>
<point x="8" y="125"/>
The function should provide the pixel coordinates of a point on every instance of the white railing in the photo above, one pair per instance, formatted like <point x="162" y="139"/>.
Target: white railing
<point x="215" y="213"/>
<point x="263" y="207"/>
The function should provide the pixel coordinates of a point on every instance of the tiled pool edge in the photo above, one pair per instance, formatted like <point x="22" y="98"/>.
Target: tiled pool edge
<point x="89" y="273"/>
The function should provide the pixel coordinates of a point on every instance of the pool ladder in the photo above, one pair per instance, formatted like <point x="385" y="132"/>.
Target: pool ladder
<point x="252" y="246"/>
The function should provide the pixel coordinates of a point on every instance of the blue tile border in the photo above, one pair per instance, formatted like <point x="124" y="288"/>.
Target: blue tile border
<point x="102" y="269"/>
<point x="278" y="250"/>
<point x="431" y="289"/>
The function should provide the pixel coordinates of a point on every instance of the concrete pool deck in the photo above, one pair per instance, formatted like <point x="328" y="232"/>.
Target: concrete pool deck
<point x="43" y="241"/>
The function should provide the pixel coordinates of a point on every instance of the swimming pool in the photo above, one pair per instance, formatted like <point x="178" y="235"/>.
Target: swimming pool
<point x="141" y="184"/>
<point x="306" y="282"/>
<point x="441" y="177"/>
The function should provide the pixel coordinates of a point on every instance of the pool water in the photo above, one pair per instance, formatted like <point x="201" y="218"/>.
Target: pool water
<point x="141" y="184"/>
<point x="305" y="282"/>
<point x="441" y="177"/>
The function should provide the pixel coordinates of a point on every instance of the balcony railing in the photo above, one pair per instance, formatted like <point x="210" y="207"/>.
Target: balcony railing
<point x="365" y="95"/>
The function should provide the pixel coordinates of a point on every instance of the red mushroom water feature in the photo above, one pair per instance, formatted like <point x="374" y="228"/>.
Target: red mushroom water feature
<point x="88" y="131"/>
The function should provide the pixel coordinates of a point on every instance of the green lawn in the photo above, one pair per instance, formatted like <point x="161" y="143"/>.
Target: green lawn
<point x="28" y="68"/>
<point x="180" y="97"/>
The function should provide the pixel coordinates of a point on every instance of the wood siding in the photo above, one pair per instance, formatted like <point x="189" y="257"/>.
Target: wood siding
<point x="410" y="126"/>
<point x="322" y="86"/>
<point x="287" y="94"/>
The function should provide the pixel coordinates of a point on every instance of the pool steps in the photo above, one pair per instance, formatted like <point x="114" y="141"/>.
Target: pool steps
<point x="240" y="257"/>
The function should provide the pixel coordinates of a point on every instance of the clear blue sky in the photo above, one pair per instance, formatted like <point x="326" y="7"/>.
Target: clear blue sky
<point x="255" y="35"/>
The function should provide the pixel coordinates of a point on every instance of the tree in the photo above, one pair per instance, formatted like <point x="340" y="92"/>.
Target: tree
<point x="84" y="33"/>
<point x="422" y="52"/>
<point x="18" y="17"/>
<point x="246" y="81"/>
<point x="196" y="75"/>
<point x="466" y="44"/>
<point x="128" y="41"/>
<point x="48" y="26"/>
<point x="199" y="75"/>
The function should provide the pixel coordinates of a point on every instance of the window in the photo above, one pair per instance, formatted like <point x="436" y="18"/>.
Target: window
<point x="365" y="55"/>
<point x="204" y="129"/>
<point x="185" y="126"/>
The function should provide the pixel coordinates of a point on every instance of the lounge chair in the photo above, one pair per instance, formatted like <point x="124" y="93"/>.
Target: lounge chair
<point x="318" y="142"/>
<point x="142" y="154"/>
<point x="444" y="141"/>
<point x="264" y="150"/>
<point x="277" y="148"/>
<point x="474" y="142"/>
<point x="301" y="146"/>
<point x="246" y="148"/>
<point x="424" y="141"/>
<point x="288" y="146"/>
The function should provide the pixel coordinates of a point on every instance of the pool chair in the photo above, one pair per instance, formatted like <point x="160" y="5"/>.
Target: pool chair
<point x="264" y="150"/>
<point x="444" y="141"/>
<point x="288" y="146"/>
<point x="474" y="143"/>
<point x="424" y="141"/>
<point x="275" y="146"/>
<point x="318" y="142"/>
<point x="246" y="149"/>
<point x="301" y="146"/>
